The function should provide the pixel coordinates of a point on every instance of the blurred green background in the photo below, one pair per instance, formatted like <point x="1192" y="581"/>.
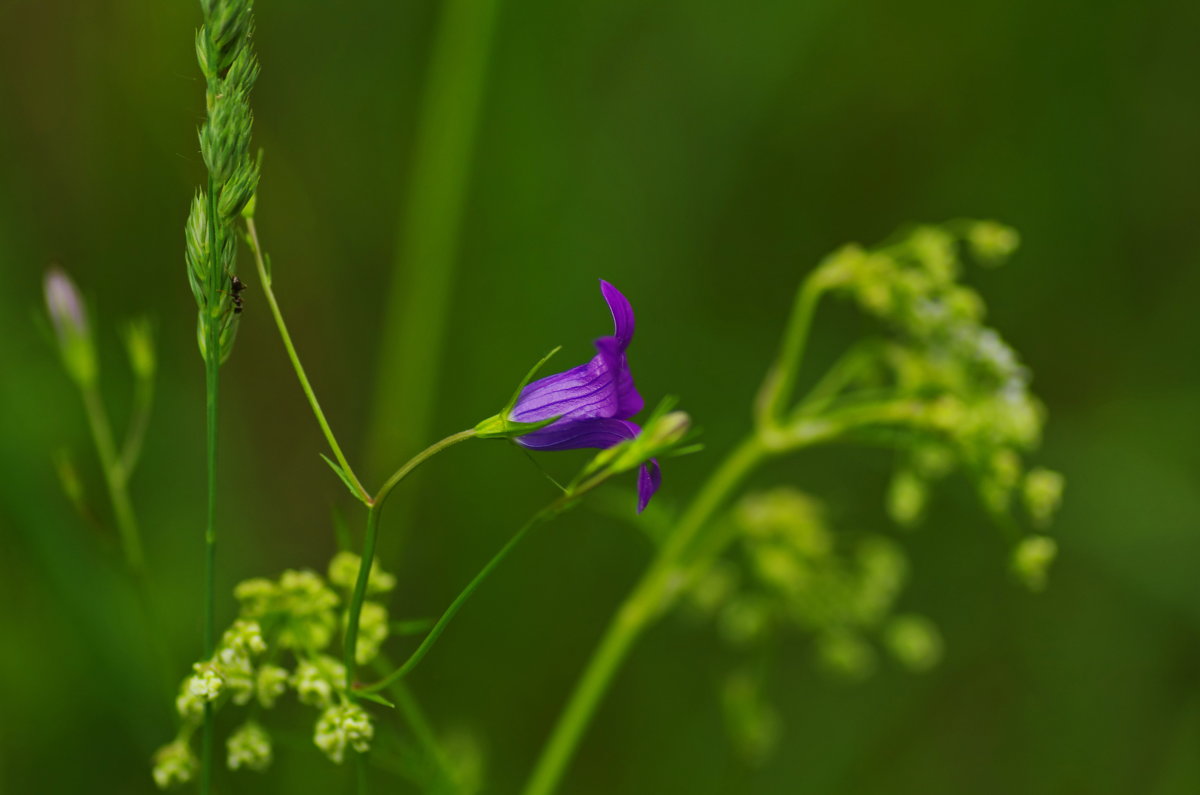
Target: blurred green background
<point x="701" y="156"/>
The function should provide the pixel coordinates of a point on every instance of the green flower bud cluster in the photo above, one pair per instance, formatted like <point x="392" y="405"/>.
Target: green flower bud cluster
<point x="971" y="407"/>
<point x="343" y="725"/>
<point x="295" y="615"/>
<point x="751" y="721"/>
<point x="795" y="573"/>
<point x="230" y="69"/>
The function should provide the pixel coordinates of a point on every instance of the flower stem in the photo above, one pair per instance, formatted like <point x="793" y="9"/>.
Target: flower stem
<point x="143" y="402"/>
<point x="415" y="658"/>
<point x="374" y="506"/>
<point x="264" y="278"/>
<point x="780" y="383"/>
<point x="350" y="657"/>
<point x="115" y="479"/>
<point x="420" y="458"/>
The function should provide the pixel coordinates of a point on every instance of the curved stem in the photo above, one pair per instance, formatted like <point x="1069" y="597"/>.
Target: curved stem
<point x="415" y="658"/>
<point x="115" y="477"/>
<point x="350" y="657"/>
<point x="143" y="402"/>
<point x="780" y="383"/>
<point x="647" y="600"/>
<point x="264" y="278"/>
<point x="420" y="458"/>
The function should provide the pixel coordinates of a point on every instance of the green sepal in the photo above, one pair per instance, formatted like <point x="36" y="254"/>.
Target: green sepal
<point x="341" y="473"/>
<point x="499" y="426"/>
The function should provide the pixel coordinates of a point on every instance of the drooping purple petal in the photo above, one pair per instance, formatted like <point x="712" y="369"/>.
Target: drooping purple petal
<point x="567" y="434"/>
<point x="649" y="479"/>
<point x="622" y="312"/>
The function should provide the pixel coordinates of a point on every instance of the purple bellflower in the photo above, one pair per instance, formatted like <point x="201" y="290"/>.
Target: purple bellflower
<point x="593" y="401"/>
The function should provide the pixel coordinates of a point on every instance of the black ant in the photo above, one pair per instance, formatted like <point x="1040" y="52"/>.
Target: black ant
<point x="236" y="286"/>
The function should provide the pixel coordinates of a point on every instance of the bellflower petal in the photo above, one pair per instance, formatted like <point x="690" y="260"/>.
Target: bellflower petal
<point x="649" y="479"/>
<point x="593" y="401"/>
<point x="577" y="434"/>
<point x="622" y="312"/>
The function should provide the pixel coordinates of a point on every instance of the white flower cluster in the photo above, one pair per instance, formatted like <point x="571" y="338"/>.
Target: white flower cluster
<point x="250" y="747"/>
<point x="344" y="725"/>
<point x="301" y="613"/>
<point x="174" y="764"/>
<point x="316" y="681"/>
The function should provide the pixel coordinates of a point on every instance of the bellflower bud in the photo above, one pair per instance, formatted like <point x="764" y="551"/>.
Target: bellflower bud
<point x="71" y="328"/>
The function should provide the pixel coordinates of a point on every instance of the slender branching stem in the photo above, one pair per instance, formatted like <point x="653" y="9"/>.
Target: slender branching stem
<point x="374" y="506"/>
<point x="420" y="458"/>
<point x="564" y="501"/>
<point x="432" y="636"/>
<point x="139" y="421"/>
<point x="115" y="480"/>
<point x="644" y="602"/>
<point x="350" y="656"/>
<point x="264" y="278"/>
<point x="780" y="383"/>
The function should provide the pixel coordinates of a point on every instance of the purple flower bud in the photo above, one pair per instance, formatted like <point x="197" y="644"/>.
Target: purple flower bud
<point x="69" y="317"/>
<point x="65" y="305"/>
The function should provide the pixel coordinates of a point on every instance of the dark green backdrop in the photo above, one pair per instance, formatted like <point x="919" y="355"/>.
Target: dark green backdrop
<point x="702" y="156"/>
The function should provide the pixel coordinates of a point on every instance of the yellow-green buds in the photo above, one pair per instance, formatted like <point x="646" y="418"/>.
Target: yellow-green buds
<point x="343" y="572"/>
<point x="316" y="681"/>
<point x="72" y="332"/>
<point x="342" y="726"/>
<point x="138" y="335"/>
<point x="1042" y="492"/>
<point x="372" y="631"/>
<point x="269" y="684"/>
<point x="906" y="498"/>
<point x="250" y="747"/>
<point x="753" y="724"/>
<point x="1031" y="561"/>
<point x="914" y="641"/>
<point x="174" y="764"/>
<point x="992" y="243"/>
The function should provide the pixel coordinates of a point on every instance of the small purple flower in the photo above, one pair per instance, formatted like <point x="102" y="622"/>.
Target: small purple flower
<point x="64" y="305"/>
<point x="593" y="401"/>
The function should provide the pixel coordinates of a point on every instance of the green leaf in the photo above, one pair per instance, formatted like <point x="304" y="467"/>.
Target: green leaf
<point x="375" y="697"/>
<point x="341" y="473"/>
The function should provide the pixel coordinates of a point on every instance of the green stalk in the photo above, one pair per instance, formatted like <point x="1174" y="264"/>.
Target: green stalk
<point x="428" y="229"/>
<point x="645" y="602"/>
<point x="431" y="637"/>
<point x="374" y="506"/>
<point x="264" y="278"/>
<point x="115" y="480"/>
<point x="212" y="364"/>
<point x="780" y="383"/>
